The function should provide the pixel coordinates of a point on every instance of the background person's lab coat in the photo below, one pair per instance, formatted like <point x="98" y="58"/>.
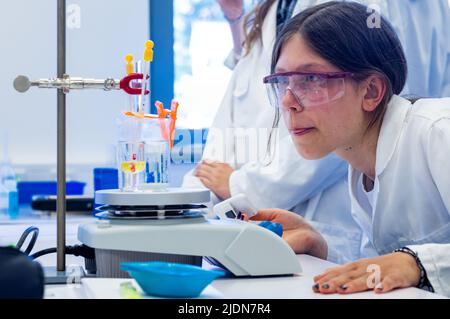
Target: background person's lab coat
<point x="423" y="27"/>
<point x="315" y="189"/>
<point x="410" y="202"/>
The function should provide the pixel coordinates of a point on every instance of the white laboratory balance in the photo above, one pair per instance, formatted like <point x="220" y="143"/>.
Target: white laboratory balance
<point x="153" y="225"/>
<point x="170" y="226"/>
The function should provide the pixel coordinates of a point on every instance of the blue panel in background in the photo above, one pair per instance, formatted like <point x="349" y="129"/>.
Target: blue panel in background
<point x="162" y="67"/>
<point x="27" y="190"/>
<point x="188" y="143"/>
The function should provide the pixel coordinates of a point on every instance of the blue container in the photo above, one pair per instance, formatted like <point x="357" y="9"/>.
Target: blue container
<point x="165" y="279"/>
<point x="106" y="178"/>
<point x="28" y="189"/>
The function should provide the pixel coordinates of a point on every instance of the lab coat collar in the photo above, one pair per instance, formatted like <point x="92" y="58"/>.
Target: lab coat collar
<point x="269" y="29"/>
<point x="391" y="129"/>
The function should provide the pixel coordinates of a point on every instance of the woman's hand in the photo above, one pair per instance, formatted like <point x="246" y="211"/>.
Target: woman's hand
<point x="381" y="274"/>
<point x="301" y="236"/>
<point x="216" y="177"/>
<point x="232" y="9"/>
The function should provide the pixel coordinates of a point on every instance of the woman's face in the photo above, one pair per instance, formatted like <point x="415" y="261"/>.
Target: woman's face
<point x="319" y="130"/>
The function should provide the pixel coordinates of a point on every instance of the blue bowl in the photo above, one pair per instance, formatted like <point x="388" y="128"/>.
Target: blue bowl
<point x="169" y="279"/>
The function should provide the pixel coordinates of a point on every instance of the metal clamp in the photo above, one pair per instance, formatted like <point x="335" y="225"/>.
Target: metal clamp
<point x="67" y="83"/>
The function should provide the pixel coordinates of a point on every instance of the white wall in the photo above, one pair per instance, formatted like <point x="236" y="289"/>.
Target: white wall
<point x="109" y="29"/>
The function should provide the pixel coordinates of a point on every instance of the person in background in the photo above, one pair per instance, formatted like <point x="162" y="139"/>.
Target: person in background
<point x="341" y="94"/>
<point x="315" y="189"/>
<point x="233" y="12"/>
<point x="424" y="30"/>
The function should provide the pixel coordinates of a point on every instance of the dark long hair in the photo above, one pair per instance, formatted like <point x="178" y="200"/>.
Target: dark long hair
<point x="253" y="23"/>
<point x="340" y="33"/>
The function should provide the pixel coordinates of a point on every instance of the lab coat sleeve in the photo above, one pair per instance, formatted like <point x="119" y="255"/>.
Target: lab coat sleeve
<point x="339" y="242"/>
<point x="436" y="257"/>
<point x="436" y="260"/>
<point x="438" y="142"/>
<point x="446" y="81"/>
<point x="231" y="61"/>
<point x="288" y="180"/>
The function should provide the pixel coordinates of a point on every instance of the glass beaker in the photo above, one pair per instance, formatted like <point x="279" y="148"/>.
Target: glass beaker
<point x="131" y="165"/>
<point x="156" y="135"/>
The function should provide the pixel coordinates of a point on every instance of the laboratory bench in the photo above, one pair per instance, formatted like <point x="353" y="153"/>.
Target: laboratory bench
<point x="284" y="287"/>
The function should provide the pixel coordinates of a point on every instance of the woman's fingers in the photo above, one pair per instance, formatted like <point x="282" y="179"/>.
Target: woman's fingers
<point x="273" y="211"/>
<point x="354" y="281"/>
<point x="334" y="280"/>
<point x="327" y="275"/>
<point x="381" y="274"/>
<point x="203" y="174"/>
<point x="272" y="214"/>
<point x="265" y="214"/>
<point x="208" y="162"/>
<point x="358" y="284"/>
<point x="203" y="170"/>
<point x="324" y="275"/>
<point x="206" y="182"/>
<point x="334" y="272"/>
<point x="340" y="283"/>
<point x="390" y="283"/>
<point x="288" y="219"/>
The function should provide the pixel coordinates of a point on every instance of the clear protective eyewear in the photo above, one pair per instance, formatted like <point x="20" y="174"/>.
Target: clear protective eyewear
<point x="309" y="89"/>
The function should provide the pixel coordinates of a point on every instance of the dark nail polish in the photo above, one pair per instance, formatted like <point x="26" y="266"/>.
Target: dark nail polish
<point x="316" y="287"/>
<point x="325" y="286"/>
<point x="344" y="287"/>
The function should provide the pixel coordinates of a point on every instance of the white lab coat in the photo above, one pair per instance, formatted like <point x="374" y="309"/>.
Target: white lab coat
<point x="410" y="203"/>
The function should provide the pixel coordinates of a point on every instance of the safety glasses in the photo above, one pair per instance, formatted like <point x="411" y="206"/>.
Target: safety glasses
<point x="309" y="89"/>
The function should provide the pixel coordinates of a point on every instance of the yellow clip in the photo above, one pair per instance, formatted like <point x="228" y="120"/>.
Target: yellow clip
<point x="148" y="53"/>
<point x="129" y="66"/>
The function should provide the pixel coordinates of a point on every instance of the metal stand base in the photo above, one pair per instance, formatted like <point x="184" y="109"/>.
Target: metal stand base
<point x="72" y="275"/>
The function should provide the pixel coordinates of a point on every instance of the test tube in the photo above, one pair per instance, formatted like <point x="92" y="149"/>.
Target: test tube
<point x="138" y="85"/>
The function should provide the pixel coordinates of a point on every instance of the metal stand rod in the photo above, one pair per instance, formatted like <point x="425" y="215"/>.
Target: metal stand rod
<point x="61" y="140"/>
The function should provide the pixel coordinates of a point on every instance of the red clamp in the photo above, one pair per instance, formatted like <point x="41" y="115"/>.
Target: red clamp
<point x="125" y="84"/>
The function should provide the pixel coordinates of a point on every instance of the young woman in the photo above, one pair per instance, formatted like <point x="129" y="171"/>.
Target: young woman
<point x="315" y="189"/>
<point x="336" y="81"/>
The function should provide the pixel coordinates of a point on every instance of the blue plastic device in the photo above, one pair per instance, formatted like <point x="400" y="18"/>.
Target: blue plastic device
<point x="274" y="227"/>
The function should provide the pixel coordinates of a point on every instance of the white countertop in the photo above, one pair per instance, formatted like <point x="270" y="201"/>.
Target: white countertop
<point x="291" y="287"/>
